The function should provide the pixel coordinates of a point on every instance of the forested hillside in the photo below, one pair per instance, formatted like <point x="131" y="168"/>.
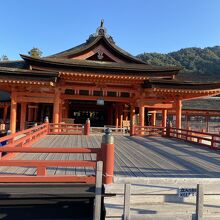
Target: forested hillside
<point x="198" y="64"/>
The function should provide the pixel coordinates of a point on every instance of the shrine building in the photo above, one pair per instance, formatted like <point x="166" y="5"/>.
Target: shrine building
<point x="96" y="80"/>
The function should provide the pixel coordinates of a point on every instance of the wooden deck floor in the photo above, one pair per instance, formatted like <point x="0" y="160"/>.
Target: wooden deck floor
<point x="134" y="157"/>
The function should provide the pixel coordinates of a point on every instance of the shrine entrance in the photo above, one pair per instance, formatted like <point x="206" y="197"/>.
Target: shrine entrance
<point x="81" y="110"/>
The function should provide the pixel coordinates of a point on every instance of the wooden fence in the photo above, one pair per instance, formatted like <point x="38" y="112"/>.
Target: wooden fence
<point x="148" y="130"/>
<point x="203" y="138"/>
<point x="199" y="215"/>
<point x="26" y="137"/>
<point x="62" y="128"/>
<point x="20" y="142"/>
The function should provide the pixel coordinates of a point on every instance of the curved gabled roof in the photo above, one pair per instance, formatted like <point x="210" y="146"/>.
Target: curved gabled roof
<point x="99" y="65"/>
<point x="95" y="40"/>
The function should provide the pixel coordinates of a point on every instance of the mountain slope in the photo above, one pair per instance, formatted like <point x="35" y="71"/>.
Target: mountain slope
<point x="198" y="64"/>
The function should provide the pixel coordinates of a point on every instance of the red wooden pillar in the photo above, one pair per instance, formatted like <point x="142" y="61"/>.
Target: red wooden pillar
<point x="125" y="114"/>
<point x="132" y="119"/>
<point x="153" y="118"/>
<point x="164" y="117"/>
<point x="116" y="116"/>
<point x="23" y="115"/>
<point x="5" y="114"/>
<point x="141" y="114"/>
<point x="164" y="120"/>
<point x="66" y="112"/>
<point x="121" y="116"/>
<point x="60" y="112"/>
<point x="56" y="106"/>
<point x="30" y="113"/>
<point x="178" y="113"/>
<point x="13" y="116"/>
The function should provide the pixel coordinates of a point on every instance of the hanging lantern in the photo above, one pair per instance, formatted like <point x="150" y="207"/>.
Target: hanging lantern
<point x="100" y="101"/>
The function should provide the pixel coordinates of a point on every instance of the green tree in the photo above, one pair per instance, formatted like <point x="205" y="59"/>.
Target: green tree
<point x="35" y="52"/>
<point x="198" y="64"/>
<point x="4" y="58"/>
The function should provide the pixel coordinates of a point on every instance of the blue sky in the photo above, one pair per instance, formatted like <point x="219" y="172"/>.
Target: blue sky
<point x="136" y="25"/>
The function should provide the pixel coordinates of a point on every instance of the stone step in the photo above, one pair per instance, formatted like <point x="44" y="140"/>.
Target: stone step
<point x="164" y="180"/>
<point x="116" y="210"/>
<point x="211" y="200"/>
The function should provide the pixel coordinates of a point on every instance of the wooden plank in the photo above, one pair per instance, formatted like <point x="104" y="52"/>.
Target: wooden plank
<point x="134" y="157"/>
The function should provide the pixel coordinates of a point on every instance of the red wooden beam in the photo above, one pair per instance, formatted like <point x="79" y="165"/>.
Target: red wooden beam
<point x="49" y="150"/>
<point x="48" y="163"/>
<point x="46" y="179"/>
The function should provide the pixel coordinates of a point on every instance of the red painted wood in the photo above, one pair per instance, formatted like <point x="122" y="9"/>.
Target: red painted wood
<point x="49" y="150"/>
<point x="46" y="179"/>
<point x="108" y="163"/>
<point x="48" y="163"/>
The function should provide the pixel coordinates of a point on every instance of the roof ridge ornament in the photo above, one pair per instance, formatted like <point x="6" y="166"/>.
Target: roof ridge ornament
<point x="101" y="30"/>
<point x="102" y="23"/>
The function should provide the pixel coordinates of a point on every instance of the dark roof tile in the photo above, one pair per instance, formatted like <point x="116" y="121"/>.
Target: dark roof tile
<point x="212" y="103"/>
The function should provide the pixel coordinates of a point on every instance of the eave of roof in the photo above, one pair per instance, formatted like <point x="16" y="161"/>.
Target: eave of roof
<point x="176" y="84"/>
<point x="24" y="75"/>
<point x="20" y="64"/>
<point x="17" y="71"/>
<point x="99" y="65"/>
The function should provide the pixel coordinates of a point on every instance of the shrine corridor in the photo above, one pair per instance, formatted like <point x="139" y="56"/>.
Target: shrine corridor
<point x="134" y="157"/>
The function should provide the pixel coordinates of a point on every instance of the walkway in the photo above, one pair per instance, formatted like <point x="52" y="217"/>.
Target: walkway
<point x="134" y="157"/>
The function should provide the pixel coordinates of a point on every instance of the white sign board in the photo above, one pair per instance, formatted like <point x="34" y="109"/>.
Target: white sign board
<point x="186" y="192"/>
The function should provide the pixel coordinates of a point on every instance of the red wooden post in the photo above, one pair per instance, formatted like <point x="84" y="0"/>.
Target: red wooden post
<point x="87" y="127"/>
<point x="13" y="116"/>
<point x="23" y="116"/>
<point x="46" y="121"/>
<point x="41" y="171"/>
<point x="213" y="143"/>
<point x="132" y="132"/>
<point x="5" y="114"/>
<point x="132" y="120"/>
<point x="107" y="147"/>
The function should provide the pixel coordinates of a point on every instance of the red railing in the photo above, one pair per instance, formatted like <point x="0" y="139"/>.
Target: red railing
<point x="25" y="137"/>
<point x="148" y="130"/>
<point x="62" y="128"/>
<point x="204" y="138"/>
<point x="105" y="154"/>
<point x="41" y="166"/>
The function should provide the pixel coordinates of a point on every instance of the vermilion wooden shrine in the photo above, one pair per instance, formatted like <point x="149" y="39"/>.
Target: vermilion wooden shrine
<point x="71" y="83"/>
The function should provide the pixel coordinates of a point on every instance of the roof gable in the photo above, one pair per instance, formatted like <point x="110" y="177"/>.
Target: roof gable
<point x="103" y="46"/>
